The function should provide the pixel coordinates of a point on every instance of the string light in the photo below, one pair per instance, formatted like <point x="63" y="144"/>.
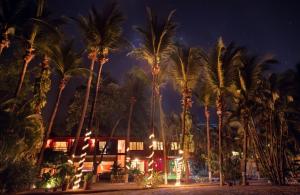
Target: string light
<point x="178" y="164"/>
<point x="150" y="161"/>
<point x="78" y="176"/>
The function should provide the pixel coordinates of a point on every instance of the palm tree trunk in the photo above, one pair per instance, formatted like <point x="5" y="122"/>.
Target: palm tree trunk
<point x="132" y="101"/>
<point x="161" y="116"/>
<point x="152" y="136"/>
<point x="183" y="132"/>
<point x="208" y="143"/>
<point x="93" y="57"/>
<point x="244" y="166"/>
<point x="220" y="118"/>
<point x="27" y="59"/>
<point x="92" y="113"/>
<point x="51" y="122"/>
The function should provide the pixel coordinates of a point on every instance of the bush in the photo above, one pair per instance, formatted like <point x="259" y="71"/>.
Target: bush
<point x="18" y="176"/>
<point x="157" y="179"/>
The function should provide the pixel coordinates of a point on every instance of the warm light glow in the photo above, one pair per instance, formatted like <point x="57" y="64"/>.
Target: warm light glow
<point x="180" y="151"/>
<point x="93" y="142"/>
<point x="178" y="166"/>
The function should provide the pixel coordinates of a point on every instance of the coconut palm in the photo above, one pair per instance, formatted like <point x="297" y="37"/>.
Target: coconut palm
<point x="185" y="73"/>
<point x="35" y="38"/>
<point x="204" y="97"/>
<point x="219" y="73"/>
<point x="134" y="90"/>
<point x="162" y="79"/>
<point x="250" y="71"/>
<point x="156" y="47"/>
<point x="67" y="62"/>
<point x="103" y="35"/>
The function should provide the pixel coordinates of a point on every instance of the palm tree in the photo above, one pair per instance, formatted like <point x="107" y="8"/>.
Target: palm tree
<point x="219" y="73"/>
<point x="161" y="82"/>
<point x="12" y="16"/>
<point x="103" y="34"/>
<point x="34" y="35"/>
<point x="156" y="47"/>
<point x="185" y="73"/>
<point x="204" y="97"/>
<point x="134" y="89"/>
<point x="250" y="71"/>
<point x="67" y="63"/>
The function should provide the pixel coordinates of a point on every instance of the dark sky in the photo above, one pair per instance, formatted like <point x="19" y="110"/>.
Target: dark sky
<point x="263" y="26"/>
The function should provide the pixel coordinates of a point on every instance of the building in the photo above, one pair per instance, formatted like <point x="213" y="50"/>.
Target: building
<point x="110" y="150"/>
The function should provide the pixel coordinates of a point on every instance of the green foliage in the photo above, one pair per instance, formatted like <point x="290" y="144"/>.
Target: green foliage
<point x="157" y="39"/>
<point x="232" y="169"/>
<point x="17" y="176"/>
<point x="185" y="67"/>
<point x="102" y="30"/>
<point x="21" y="135"/>
<point x="88" y="176"/>
<point x="116" y="169"/>
<point x="157" y="179"/>
<point x="42" y="86"/>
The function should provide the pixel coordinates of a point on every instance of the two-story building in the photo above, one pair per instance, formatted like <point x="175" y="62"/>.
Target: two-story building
<point x="110" y="150"/>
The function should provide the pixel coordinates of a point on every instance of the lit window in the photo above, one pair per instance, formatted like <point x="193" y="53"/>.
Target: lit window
<point x="121" y="146"/>
<point x="136" y="146"/>
<point x="157" y="145"/>
<point x="101" y="146"/>
<point x="174" y="146"/>
<point x="60" y="146"/>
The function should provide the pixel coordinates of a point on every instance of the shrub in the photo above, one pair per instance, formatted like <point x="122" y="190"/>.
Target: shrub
<point x="17" y="176"/>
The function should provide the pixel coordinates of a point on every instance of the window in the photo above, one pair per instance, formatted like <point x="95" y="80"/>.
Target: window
<point x="174" y="146"/>
<point x="157" y="145"/>
<point x="60" y="146"/>
<point x="136" y="146"/>
<point x="121" y="146"/>
<point x="101" y="146"/>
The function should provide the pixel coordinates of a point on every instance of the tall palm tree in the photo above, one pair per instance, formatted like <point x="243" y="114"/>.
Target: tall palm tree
<point x="156" y="47"/>
<point x="134" y="90"/>
<point x="162" y="79"/>
<point x="185" y="72"/>
<point x="204" y="97"/>
<point x="219" y="73"/>
<point x="250" y="71"/>
<point x="67" y="63"/>
<point x="35" y="38"/>
<point x="103" y="34"/>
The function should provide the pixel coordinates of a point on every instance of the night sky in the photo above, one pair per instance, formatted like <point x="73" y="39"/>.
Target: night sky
<point x="263" y="26"/>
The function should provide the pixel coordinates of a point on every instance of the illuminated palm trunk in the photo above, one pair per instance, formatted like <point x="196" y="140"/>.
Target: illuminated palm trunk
<point x="186" y="103"/>
<point x="92" y="57"/>
<point x="127" y="157"/>
<point x="27" y="59"/>
<point x="161" y="116"/>
<point x="102" y="61"/>
<point x="62" y="85"/>
<point x="220" y="126"/>
<point x="155" y="92"/>
<point x="207" y="115"/>
<point x="245" y="140"/>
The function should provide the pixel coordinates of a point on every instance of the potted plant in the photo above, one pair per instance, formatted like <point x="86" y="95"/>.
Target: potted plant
<point x="116" y="173"/>
<point x="87" y="181"/>
<point x="64" y="172"/>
